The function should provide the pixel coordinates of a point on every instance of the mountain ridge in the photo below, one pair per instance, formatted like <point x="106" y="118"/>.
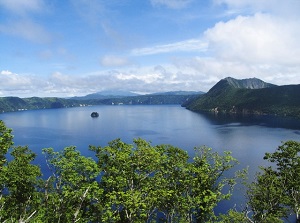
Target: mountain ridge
<point x="248" y="96"/>
<point x="229" y="82"/>
<point x="248" y="83"/>
<point x="122" y="94"/>
<point x="106" y="94"/>
<point x="178" y="93"/>
<point x="10" y="104"/>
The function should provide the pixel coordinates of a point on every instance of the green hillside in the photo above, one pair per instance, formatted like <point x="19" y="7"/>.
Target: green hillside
<point x="249" y="96"/>
<point x="151" y="99"/>
<point x="9" y="104"/>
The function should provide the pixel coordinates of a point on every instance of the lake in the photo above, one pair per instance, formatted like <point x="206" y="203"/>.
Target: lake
<point x="248" y="137"/>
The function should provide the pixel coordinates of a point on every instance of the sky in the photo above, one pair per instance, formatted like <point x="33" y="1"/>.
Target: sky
<point x="63" y="48"/>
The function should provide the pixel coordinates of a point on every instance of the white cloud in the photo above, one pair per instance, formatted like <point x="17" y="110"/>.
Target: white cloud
<point x="89" y="10"/>
<point x="114" y="61"/>
<point x="258" y="4"/>
<point x="26" y="29"/>
<point x="202" y="73"/>
<point x="98" y="14"/>
<point x="198" y="73"/>
<point x="256" y="39"/>
<point x="60" y="54"/>
<point x="285" y="8"/>
<point x="158" y="78"/>
<point x="20" y="21"/>
<point x="46" y="54"/>
<point x="183" y="46"/>
<point x="139" y="79"/>
<point x="173" y="4"/>
<point x="12" y="84"/>
<point x="263" y="43"/>
<point x="9" y="79"/>
<point x="22" y="7"/>
<point x="148" y="78"/>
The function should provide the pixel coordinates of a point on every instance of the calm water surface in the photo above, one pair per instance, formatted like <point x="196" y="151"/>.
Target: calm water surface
<point x="247" y="137"/>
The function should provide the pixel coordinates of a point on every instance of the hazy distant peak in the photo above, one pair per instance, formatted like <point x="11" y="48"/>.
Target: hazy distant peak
<point x="116" y="93"/>
<point x="249" y="83"/>
<point x="107" y="94"/>
<point x="178" y="93"/>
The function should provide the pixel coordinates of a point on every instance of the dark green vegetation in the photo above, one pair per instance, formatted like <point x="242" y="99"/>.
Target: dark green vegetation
<point x="124" y="94"/>
<point x="249" y="96"/>
<point x="153" y="99"/>
<point x="140" y="182"/>
<point x="120" y="97"/>
<point x="106" y="95"/>
<point x="8" y="104"/>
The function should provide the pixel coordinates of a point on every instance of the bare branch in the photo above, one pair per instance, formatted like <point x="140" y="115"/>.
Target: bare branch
<point x="80" y="205"/>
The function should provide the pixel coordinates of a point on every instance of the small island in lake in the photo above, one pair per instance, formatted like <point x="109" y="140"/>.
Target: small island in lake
<point x="95" y="114"/>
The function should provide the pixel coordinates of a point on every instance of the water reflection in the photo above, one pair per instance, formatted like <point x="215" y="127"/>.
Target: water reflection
<point x="249" y="120"/>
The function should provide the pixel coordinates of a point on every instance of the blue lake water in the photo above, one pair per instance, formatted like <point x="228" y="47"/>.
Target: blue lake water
<point x="247" y="137"/>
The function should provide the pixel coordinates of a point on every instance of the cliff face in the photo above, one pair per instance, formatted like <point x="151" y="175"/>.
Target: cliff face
<point x="249" y="96"/>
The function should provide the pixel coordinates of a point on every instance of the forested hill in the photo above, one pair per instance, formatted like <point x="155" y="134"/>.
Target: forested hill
<point x="8" y="104"/>
<point x="249" y="96"/>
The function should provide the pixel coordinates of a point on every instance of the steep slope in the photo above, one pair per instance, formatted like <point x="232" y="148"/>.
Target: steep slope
<point x="224" y="93"/>
<point x="249" y="96"/>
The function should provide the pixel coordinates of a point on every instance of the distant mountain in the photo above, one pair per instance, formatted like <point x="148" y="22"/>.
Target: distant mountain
<point x="106" y="94"/>
<point x="248" y="96"/>
<point x="178" y="93"/>
<point x="8" y="104"/>
<point x="117" y="93"/>
<point x="121" y="97"/>
<point x="150" y="99"/>
<point x="175" y="97"/>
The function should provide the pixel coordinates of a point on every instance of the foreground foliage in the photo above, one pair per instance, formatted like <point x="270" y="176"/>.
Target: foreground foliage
<point x="275" y="194"/>
<point x="140" y="182"/>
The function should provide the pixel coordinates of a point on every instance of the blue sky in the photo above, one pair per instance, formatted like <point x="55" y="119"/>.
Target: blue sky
<point x="76" y="47"/>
